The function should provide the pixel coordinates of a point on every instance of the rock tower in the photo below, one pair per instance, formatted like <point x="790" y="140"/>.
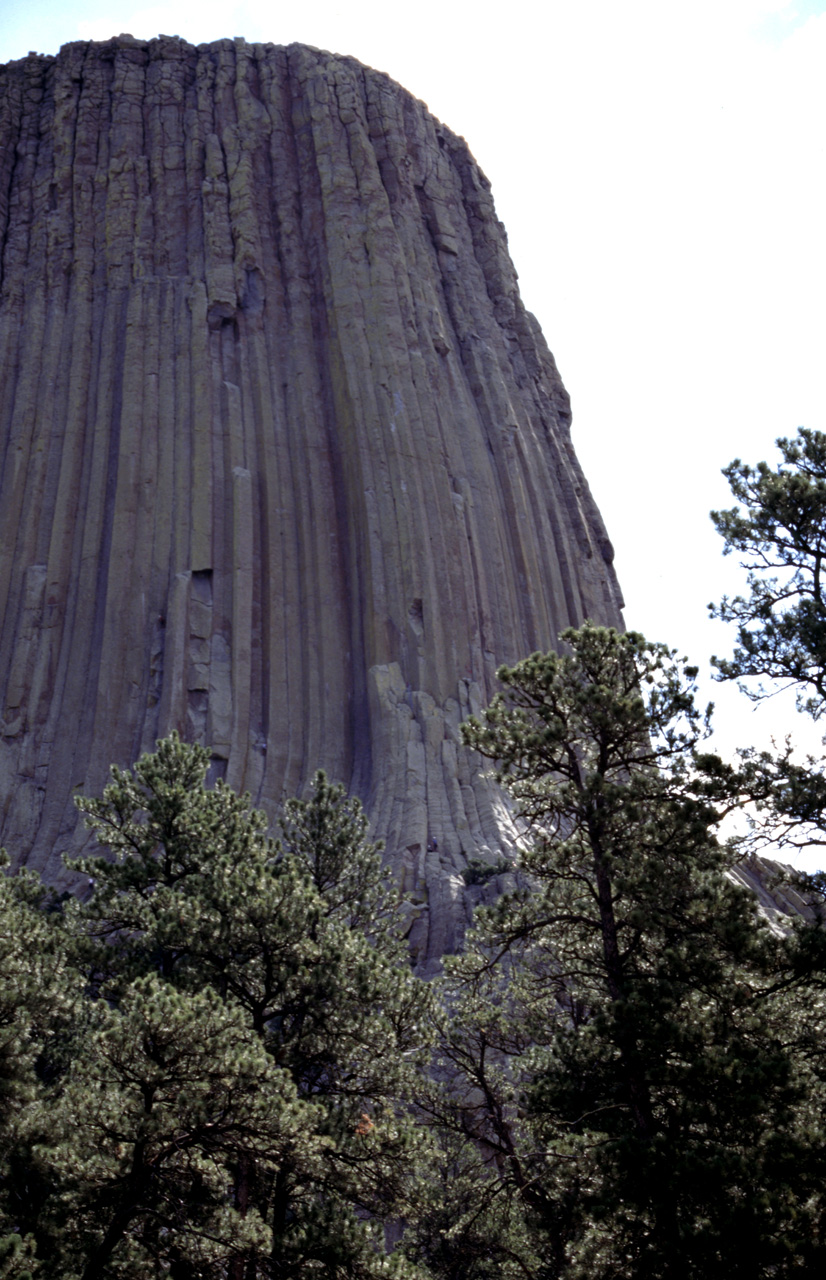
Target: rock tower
<point x="284" y="462"/>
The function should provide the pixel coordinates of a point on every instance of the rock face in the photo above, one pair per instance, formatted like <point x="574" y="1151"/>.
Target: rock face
<point x="286" y="464"/>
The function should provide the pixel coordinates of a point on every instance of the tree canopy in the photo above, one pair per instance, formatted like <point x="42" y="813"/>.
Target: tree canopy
<point x="779" y="531"/>
<point x="618" y="1022"/>
<point x="235" y="1105"/>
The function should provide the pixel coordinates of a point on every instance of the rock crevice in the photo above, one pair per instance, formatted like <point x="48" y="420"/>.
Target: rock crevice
<point x="286" y="465"/>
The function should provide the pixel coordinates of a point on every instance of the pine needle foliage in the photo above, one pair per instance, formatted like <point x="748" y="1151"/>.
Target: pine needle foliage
<point x="617" y="1045"/>
<point x="779" y="532"/>
<point x="237" y="1105"/>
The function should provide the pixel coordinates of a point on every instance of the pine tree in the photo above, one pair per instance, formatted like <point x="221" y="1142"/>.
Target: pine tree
<point x="618" y="1042"/>
<point x="297" y="938"/>
<point x="170" y="1094"/>
<point x="327" y="836"/>
<point x="779" y="530"/>
<point x="41" y="1019"/>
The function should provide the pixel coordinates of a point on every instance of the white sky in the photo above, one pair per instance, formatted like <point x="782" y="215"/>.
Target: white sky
<point x="660" y="169"/>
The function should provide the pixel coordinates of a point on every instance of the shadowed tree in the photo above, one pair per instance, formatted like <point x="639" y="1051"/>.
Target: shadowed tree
<point x="297" y="940"/>
<point x="619" y="1042"/>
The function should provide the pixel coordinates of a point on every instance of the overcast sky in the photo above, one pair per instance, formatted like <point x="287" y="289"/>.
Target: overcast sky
<point x="659" y="167"/>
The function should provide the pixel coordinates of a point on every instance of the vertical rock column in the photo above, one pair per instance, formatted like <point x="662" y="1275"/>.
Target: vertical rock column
<point x="286" y="465"/>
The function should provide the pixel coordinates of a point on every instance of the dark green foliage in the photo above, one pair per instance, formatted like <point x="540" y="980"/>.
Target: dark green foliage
<point x="327" y="838"/>
<point x="780" y="533"/>
<point x="479" y="872"/>
<point x="37" y="997"/>
<point x="16" y="1257"/>
<point x="471" y="1222"/>
<point x="171" y="1096"/>
<point x="618" y="1050"/>
<point x="42" y="1022"/>
<point x="235" y="1105"/>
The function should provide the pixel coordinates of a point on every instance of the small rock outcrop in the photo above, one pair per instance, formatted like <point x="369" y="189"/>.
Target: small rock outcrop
<point x="285" y="463"/>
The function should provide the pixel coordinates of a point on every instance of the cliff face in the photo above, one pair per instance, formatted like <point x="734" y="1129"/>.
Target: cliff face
<point x="285" y="463"/>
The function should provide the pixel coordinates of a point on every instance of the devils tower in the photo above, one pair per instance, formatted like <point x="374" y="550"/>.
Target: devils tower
<point x="285" y="463"/>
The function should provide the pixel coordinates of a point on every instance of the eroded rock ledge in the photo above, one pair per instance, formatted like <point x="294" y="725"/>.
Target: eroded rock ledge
<point x="286" y="464"/>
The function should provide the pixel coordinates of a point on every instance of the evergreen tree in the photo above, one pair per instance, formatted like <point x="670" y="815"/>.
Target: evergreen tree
<point x="779" y="530"/>
<point x="38" y="997"/>
<point x="618" y="1045"/>
<point x="779" y="533"/>
<point x="297" y="939"/>
<point x="327" y="836"/>
<point x="169" y="1096"/>
<point x="41" y="1022"/>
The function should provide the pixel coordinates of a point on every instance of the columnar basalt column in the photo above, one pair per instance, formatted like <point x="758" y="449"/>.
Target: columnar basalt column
<point x="286" y="465"/>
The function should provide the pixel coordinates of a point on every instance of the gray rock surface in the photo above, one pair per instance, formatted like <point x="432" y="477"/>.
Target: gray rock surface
<point x="286" y="465"/>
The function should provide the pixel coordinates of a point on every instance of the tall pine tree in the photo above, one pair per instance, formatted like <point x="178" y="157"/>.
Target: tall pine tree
<point x="294" y="949"/>
<point x="620" y="1043"/>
